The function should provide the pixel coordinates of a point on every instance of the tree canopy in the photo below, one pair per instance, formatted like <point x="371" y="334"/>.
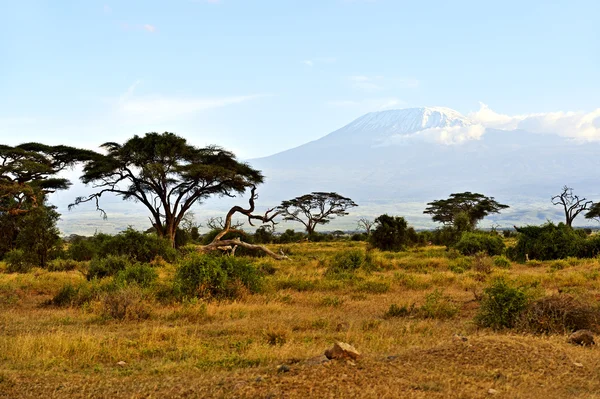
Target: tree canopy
<point x="167" y="175"/>
<point x="28" y="172"/>
<point x="315" y="208"/>
<point x="475" y="206"/>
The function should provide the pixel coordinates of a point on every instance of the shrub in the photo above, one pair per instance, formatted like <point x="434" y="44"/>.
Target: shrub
<point x="374" y="287"/>
<point x="482" y="263"/>
<point x="347" y="262"/>
<point x="501" y="305"/>
<point x="399" y="311"/>
<point x="460" y="265"/>
<point x="471" y="243"/>
<point x="550" y="241"/>
<point x="438" y="306"/>
<point x="17" y="261"/>
<point x="558" y="314"/>
<point x="558" y="265"/>
<point x="82" y="248"/>
<point x="136" y="245"/>
<point x="141" y="274"/>
<point x="108" y="266"/>
<point x="289" y="236"/>
<point x="502" y="262"/>
<point x="221" y="277"/>
<point x="125" y="304"/>
<point x="62" y="265"/>
<point x="75" y="295"/>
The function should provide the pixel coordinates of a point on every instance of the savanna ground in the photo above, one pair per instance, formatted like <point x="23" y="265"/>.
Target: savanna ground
<point x="233" y="348"/>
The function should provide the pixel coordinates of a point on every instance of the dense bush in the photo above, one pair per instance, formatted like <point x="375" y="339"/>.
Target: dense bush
<point x="550" y="241"/>
<point x="17" y="261"/>
<point x="502" y="261"/>
<point x="221" y="277"/>
<point x="141" y="274"/>
<point x="501" y="305"/>
<point x="391" y="233"/>
<point x="347" y="262"/>
<point x="545" y="242"/>
<point x="82" y="248"/>
<point x="289" y="236"/>
<point x="109" y="266"/>
<point x="62" y="265"/>
<point x="138" y="246"/>
<point x="471" y="243"/>
<point x="558" y="314"/>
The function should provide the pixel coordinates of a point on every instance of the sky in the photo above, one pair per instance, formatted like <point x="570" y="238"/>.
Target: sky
<point x="261" y="76"/>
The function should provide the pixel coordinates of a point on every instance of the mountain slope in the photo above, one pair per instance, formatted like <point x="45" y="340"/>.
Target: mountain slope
<point x="387" y="158"/>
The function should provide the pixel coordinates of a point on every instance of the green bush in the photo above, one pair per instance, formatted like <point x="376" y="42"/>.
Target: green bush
<point x="550" y="241"/>
<point x="17" y="261"/>
<point x="76" y="295"/>
<point x="221" y="277"/>
<point x="346" y="262"/>
<point x="62" y="265"/>
<point x="471" y="243"/>
<point x="501" y="305"/>
<point x="438" y="306"/>
<point x="137" y="246"/>
<point x="82" y="249"/>
<point x="502" y="262"/>
<point x="141" y="274"/>
<point x="109" y="266"/>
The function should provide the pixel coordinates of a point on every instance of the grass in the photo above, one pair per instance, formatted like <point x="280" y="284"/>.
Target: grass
<point x="401" y="315"/>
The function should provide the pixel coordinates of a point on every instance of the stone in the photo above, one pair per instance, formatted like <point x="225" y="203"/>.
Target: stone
<point x="121" y="363"/>
<point x="577" y="364"/>
<point x="582" y="337"/>
<point x="315" y="361"/>
<point x="342" y="350"/>
<point x="492" y="391"/>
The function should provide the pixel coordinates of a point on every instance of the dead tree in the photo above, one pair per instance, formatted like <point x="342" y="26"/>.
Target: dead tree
<point x="218" y="243"/>
<point x="366" y="225"/>
<point x="572" y="204"/>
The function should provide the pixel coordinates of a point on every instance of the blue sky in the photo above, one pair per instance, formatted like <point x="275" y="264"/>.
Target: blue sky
<point x="259" y="77"/>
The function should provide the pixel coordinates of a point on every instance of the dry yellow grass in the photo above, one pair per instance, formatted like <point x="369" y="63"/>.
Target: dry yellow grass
<point x="231" y="349"/>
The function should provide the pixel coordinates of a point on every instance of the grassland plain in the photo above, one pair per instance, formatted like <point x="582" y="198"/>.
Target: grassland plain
<point x="231" y="349"/>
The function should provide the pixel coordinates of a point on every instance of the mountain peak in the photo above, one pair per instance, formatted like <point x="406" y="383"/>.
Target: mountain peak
<point x="408" y="120"/>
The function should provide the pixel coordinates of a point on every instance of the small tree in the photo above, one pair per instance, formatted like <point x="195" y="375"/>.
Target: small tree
<point x="571" y="204"/>
<point x="390" y="233"/>
<point x="475" y="206"/>
<point x="365" y="224"/>
<point x="315" y="208"/>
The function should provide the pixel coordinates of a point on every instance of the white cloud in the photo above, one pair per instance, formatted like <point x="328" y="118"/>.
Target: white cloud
<point x="583" y="126"/>
<point x="107" y="9"/>
<point x="451" y="135"/>
<point x="308" y="62"/>
<point x="159" y="107"/>
<point x="150" y="28"/>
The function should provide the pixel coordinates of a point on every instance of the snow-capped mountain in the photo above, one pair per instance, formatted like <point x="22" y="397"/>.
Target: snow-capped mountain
<point x="397" y="160"/>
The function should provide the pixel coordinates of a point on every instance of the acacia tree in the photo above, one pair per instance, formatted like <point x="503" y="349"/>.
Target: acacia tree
<point x="571" y="204"/>
<point x="472" y="205"/>
<point x="167" y="175"/>
<point x="315" y="208"/>
<point x="27" y="175"/>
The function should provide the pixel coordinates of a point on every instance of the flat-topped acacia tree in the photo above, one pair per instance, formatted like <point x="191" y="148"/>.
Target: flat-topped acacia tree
<point x="315" y="208"/>
<point x="28" y="172"/>
<point x="167" y="175"/>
